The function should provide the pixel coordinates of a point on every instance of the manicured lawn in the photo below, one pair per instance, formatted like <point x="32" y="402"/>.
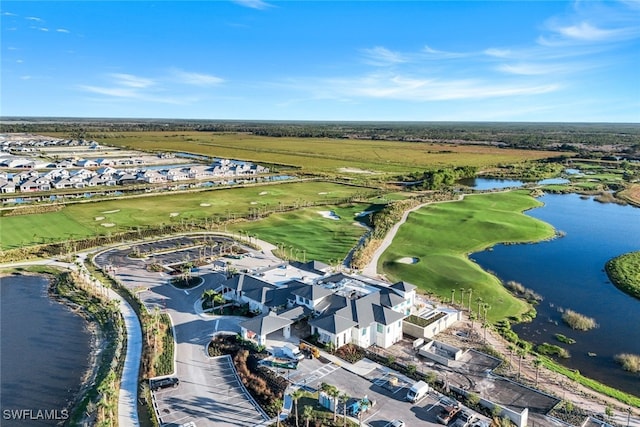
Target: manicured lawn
<point x="441" y="236"/>
<point x="86" y="219"/>
<point x="309" y="235"/>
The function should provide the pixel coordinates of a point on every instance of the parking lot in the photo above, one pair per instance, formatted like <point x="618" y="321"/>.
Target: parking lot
<point x="218" y="399"/>
<point x="390" y="401"/>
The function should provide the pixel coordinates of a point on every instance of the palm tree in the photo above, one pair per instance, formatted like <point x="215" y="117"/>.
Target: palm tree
<point x="307" y="413"/>
<point x="208" y="295"/>
<point x="470" y="290"/>
<point x="295" y="396"/>
<point x="479" y="300"/>
<point x="462" y="297"/>
<point x="334" y="393"/>
<point x="537" y="362"/>
<point x="521" y="354"/>
<point x="344" y="398"/>
<point x="453" y="292"/>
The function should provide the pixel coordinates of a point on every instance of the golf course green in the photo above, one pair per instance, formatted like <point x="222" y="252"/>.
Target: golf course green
<point x="439" y="237"/>
<point x="310" y="233"/>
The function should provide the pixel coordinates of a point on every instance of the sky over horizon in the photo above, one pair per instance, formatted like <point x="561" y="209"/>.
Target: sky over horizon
<point x="535" y="61"/>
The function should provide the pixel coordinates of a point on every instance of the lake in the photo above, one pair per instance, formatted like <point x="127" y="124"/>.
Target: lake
<point x="569" y="273"/>
<point x="44" y="350"/>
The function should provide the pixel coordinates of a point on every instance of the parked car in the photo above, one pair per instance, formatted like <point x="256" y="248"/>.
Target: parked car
<point x="395" y="423"/>
<point x="464" y="418"/>
<point x="448" y="411"/>
<point x="161" y="383"/>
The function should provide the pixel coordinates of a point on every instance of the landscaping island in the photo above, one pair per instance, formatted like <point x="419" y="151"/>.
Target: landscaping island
<point x="624" y="273"/>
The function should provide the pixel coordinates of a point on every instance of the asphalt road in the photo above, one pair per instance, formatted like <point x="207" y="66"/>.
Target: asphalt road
<point x="209" y="394"/>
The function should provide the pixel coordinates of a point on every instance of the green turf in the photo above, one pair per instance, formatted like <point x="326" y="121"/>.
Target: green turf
<point x="86" y="219"/>
<point x="307" y="235"/>
<point x="441" y="235"/>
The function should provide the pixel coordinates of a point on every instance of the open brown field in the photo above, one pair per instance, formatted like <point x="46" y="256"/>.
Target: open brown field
<point x="631" y="194"/>
<point x="343" y="156"/>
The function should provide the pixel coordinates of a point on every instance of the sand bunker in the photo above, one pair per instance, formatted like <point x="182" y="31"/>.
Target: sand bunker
<point x="356" y="170"/>
<point x="363" y="214"/>
<point x="99" y="218"/>
<point x="408" y="260"/>
<point x="329" y="215"/>
<point x="113" y="211"/>
<point x="107" y="224"/>
<point x="323" y="192"/>
<point x="254" y="203"/>
<point x="262" y="193"/>
<point x="205" y="204"/>
<point x="174" y="214"/>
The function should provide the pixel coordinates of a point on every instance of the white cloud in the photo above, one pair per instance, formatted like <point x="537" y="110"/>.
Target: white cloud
<point x="63" y="30"/>
<point x="197" y="79"/>
<point x="586" y="31"/>
<point x="34" y="18"/>
<point x="498" y="53"/>
<point x="417" y="89"/>
<point x="253" y="4"/>
<point x="441" y="54"/>
<point x="382" y="56"/>
<point x="129" y="80"/>
<point x="46" y="30"/>
<point x="8" y="14"/>
<point x="536" y="69"/>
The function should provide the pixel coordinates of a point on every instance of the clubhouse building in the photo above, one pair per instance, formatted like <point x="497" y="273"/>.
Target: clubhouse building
<point x="340" y="308"/>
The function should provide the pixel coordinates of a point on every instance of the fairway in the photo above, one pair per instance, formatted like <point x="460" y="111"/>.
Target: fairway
<point x="357" y="158"/>
<point x="94" y="218"/>
<point x="442" y="235"/>
<point x="309" y="235"/>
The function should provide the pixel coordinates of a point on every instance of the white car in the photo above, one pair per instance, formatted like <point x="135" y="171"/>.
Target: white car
<point x="395" y="423"/>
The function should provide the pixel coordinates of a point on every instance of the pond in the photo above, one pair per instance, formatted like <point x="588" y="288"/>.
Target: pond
<point x="569" y="273"/>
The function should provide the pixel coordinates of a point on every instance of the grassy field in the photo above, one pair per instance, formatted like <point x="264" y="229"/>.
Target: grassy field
<point x="441" y="235"/>
<point x="87" y="219"/>
<point x="624" y="272"/>
<point x="344" y="156"/>
<point x="307" y="235"/>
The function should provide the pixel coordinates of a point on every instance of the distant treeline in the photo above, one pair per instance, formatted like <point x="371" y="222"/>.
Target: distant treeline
<point x="578" y="137"/>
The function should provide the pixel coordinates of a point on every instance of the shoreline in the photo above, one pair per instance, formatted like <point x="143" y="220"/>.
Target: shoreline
<point x="97" y="343"/>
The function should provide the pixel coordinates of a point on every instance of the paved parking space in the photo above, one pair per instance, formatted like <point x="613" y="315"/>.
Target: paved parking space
<point x="218" y="399"/>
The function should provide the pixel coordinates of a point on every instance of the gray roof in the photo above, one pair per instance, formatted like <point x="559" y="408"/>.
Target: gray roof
<point x="251" y="287"/>
<point x="368" y="309"/>
<point x="331" y="304"/>
<point x="403" y="286"/>
<point x="266" y="324"/>
<point x="312" y="292"/>
<point x="295" y="313"/>
<point x="311" y="266"/>
<point x="333" y="323"/>
<point x="390" y="299"/>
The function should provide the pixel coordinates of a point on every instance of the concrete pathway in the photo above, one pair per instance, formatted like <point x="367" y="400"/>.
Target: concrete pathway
<point x="128" y="396"/>
<point x="371" y="269"/>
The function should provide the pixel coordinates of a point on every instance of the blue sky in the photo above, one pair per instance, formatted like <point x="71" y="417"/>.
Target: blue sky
<point x="327" y="60"/>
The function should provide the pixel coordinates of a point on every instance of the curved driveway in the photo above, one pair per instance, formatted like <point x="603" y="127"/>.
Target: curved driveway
<point x="198" y="398"/>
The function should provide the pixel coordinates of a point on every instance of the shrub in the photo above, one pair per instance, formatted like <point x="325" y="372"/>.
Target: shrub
<point x="565" y="339"/>
<point x="578" y="321"/>
<point x="550" y="350"/>
<point x="629" y="362"/>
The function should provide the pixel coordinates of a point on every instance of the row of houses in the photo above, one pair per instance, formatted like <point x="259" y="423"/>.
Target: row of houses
<point x="13" y="162"/>
<point x="62" y="178"/>
<point x="24" y="143"/>
<point x="340" y="308"/>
